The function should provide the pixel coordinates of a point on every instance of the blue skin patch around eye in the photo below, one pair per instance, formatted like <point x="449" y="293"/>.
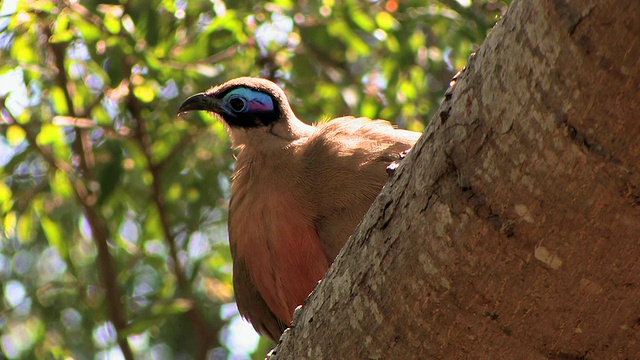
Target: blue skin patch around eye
<point x="255" y="101"/>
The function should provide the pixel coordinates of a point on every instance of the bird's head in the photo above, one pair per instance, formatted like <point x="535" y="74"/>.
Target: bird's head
<point x="251" y="108"/>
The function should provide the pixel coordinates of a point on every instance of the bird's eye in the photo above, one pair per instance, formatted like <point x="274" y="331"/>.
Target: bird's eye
<point x="237" y="104"/>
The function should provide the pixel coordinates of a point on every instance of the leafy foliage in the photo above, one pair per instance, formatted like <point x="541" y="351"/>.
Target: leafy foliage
<point x="113" y="231"/>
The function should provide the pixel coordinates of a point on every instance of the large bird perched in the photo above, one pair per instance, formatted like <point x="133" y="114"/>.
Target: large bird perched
<point x="298" y="192"/>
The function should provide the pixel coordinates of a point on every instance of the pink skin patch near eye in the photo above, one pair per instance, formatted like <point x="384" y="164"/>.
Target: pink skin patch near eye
<point x="257" y="105"/>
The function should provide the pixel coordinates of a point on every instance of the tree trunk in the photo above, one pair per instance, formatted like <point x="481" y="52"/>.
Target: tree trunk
<point x="512" y="230"/>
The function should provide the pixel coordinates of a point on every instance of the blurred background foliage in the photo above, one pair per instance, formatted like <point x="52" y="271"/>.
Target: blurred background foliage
<point x="113" y="209"/>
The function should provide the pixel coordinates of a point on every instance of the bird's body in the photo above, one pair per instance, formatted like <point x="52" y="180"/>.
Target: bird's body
<point x="297" y="194"/>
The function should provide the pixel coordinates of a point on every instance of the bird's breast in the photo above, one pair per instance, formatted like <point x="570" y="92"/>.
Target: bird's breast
<point x="273" y="231"/>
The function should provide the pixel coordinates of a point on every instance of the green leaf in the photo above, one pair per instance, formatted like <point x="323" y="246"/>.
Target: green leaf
<point x="61" y="36"/>
<point x="144" y="93"/>
<point x="340" y="30"/>
<point x="60" y="185"/>
<point x="58" y="100"/>
<point x="6" y="198"/>
<point x="9" y="224"/>
<point x="15" y="135"/>
<point x="43" y="6"/>
<point x="363" y="21"/>
<point x="61" y="29"/>
<point x="24" y="228"/>
<point x="386" y="21"/>
<point x="90" y="31"/>
<point x="49" y="134"/>
<point x="23" y="50"/>
<point x="54" y="234"/>
<point x="112" y="24"/>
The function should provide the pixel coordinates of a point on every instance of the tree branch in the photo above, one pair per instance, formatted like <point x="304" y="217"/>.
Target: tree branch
<point x="87" y="199"/>
<point x="100" y="236"/>
<point x="202" y="329"/>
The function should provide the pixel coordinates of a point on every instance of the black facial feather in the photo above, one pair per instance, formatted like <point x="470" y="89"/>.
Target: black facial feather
<point x="248" y="119"/>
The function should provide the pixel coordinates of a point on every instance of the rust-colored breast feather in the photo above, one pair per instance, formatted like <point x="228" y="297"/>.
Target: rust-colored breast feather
<point x="275" y="247"/>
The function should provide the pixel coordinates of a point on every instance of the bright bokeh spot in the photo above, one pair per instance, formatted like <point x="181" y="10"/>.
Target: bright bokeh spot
<point x="14" y="293"/>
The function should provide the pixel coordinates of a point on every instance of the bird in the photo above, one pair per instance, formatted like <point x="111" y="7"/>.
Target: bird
<point x="298" y="192"/>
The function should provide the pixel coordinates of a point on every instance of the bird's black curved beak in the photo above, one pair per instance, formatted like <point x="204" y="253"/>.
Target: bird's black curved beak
<point x="200" y="101"/>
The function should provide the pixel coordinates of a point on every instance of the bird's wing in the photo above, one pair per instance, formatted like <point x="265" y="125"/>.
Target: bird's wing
<point x="361" y="140"/>
<point x="251" y="304"/>
<point x="346" y="161"/>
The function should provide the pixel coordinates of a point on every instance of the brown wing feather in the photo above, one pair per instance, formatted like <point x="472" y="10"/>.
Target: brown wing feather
<point x="252" y="305"/>
<point x="347" y="158"/>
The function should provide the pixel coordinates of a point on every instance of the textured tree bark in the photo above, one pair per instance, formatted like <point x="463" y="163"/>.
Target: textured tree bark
<point x="512" y="230"/>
